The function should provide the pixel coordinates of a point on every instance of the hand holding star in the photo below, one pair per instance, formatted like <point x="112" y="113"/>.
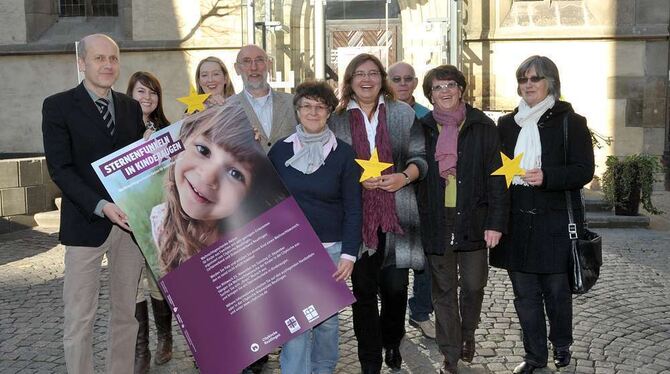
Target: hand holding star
<point x="194" y="101"/>
<point x="510" y="168"/>
<point x="372" y="168"/>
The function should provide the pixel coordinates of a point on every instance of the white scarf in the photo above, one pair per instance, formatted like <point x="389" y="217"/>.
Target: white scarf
<point x="528" y="142"/>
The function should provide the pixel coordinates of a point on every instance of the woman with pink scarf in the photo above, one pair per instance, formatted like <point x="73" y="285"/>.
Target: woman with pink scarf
<point x="463" y="210"/>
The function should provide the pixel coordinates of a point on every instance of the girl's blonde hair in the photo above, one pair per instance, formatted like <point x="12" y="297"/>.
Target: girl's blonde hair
<point x="228" y="127"/>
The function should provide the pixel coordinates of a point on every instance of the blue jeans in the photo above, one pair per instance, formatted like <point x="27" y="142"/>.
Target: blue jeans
<point x="421" y="304"/>
<point x="315" y="350"/>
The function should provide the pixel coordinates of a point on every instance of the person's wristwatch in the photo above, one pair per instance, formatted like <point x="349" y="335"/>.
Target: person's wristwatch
<point x="407" y="181"/>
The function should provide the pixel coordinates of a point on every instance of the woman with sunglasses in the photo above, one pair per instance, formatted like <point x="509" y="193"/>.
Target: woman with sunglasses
<point x="372" y="121"/>
<point x="463" y="210"/>
<point x="536" y="250"/>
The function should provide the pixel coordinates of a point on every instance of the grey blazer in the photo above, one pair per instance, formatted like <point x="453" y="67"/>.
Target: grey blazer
<point x="408" y="147"/>
<point x="283" y="117"/>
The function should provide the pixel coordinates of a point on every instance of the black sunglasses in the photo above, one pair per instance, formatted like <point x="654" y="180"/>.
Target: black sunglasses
<point x="534" y="79"/>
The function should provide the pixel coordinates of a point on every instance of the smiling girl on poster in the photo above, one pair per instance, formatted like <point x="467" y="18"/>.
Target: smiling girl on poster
<point x="213" y="186"/>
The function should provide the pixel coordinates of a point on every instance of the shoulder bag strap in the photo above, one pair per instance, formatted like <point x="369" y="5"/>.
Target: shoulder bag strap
<point x="572" y="227"/>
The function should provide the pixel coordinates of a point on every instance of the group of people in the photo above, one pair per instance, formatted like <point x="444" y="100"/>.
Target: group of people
<point x="438" y="210"/>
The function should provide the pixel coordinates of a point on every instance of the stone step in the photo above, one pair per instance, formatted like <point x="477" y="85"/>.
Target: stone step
<point x="611" y="221"/>
<point x="595" y="202"/>
<point x="48" y="219"/>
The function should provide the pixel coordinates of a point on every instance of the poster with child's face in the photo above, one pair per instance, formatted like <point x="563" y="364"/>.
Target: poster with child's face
<point x="231" y="250"/>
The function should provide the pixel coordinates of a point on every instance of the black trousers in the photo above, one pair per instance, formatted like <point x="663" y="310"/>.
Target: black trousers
<point x="533" y="295"/>
<point x="375" y="330"/>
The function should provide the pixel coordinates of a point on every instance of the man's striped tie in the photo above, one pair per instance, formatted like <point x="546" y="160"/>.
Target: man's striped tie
<point x="103" y="106"/>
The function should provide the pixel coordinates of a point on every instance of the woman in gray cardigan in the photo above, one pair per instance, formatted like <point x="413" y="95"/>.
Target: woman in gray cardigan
<point x="371" y="121"/>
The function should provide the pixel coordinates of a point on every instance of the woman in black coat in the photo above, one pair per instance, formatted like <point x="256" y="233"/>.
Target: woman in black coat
<point x="462" y="207"/>
<point x="536" y="249"/>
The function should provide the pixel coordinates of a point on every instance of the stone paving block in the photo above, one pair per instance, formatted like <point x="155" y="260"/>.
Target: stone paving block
<point x="13" y="201"/>
<point x="30" y="172"/>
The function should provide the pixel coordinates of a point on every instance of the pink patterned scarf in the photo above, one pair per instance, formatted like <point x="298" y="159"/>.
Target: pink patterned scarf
<point x="378" y="205"/>
<point x="446" y="152"/>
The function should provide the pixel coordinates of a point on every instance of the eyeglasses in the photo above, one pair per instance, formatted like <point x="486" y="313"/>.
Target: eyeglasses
<point x="445" y="87"/>
<point x="308" y="108"/>
<point x="246" y="62"/>
<point x="534" y="79"/>
<point x="372" y="74"/>
<point x="406" y="79"/>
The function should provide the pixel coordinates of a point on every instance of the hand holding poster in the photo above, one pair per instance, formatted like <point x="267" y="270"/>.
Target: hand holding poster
<point x="238" y="262"/>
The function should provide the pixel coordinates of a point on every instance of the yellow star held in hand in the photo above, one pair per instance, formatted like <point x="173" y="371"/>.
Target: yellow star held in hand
<point x="372" y="167"/>
<point x="510" y="168"/>
<point x="194" y="101"/>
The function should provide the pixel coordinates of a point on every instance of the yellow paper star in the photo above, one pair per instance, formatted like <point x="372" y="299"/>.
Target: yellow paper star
<point x="372" y="167"/>
<point x="510" y="168"/>
<point x="194" y="101"/>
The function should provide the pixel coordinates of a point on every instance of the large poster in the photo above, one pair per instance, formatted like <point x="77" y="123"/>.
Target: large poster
<point x="236" y="258"/>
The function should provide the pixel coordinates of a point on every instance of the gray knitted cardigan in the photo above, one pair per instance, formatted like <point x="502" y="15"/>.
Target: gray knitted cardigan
<point x="408" y="146"/>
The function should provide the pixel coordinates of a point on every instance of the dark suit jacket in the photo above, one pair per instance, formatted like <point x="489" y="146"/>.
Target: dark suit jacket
<point x="74" y="136"/>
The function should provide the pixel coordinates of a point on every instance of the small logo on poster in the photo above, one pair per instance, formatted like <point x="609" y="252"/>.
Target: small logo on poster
<point x="292" y="324"/>
<point x="255" y="347"/>
<point x="311" y="313"/>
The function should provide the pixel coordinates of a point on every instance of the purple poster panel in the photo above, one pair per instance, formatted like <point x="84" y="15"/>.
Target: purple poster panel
<point x="233" y="253"/>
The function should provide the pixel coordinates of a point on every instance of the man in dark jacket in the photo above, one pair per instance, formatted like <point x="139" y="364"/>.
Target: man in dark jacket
<point x="463" y="210"/>
<point x="80" y="126"/>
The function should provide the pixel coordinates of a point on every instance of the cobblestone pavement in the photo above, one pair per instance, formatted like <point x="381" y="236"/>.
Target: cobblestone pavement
<point x="622" y="326"/>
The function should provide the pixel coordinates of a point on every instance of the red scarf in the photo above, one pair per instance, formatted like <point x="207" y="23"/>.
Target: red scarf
<point x="378" y="205"/>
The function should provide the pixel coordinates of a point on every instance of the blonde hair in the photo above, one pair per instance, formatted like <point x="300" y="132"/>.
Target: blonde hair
<point x="228" y="127"/>
<point x="228" y="89"/>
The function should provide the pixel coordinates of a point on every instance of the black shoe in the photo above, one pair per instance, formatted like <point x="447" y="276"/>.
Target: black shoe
<point x="257" y="367"/>
<point x="468" y="350"/>
<point x="393" y="358"/>
<point x="562" y="357"/>
<point x="448" y="368"/>
<point x="370" y="369"/>
<point x="526" y="368"/>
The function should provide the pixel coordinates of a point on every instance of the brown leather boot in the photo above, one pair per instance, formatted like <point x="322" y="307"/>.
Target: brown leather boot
<point x="163" y="319"/>
<point x="142" y="353"/>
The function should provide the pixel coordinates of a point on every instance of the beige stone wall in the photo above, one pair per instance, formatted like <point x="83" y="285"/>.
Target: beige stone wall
<point x="210" y="22"/>
<point x="611" y="55"/>
<point x="589" y="72"/>
<point x="13" y="25"/>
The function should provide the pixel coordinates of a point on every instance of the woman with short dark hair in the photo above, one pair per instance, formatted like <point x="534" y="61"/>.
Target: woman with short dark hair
<point x="463" y="210"/>
<point x="319" y="171"/>
<point x="373" y="122"/>
<point x="536" y="250"/>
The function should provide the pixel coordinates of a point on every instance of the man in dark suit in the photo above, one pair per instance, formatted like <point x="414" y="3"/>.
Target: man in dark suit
<point x="270" y="112"/>
<point x="80" y="126"/>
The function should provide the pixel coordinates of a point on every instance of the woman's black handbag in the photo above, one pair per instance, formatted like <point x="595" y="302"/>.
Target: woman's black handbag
<point x="586" y="251"/>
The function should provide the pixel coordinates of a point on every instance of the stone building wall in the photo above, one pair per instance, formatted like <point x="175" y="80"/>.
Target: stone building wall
<point x="612" y="56"/>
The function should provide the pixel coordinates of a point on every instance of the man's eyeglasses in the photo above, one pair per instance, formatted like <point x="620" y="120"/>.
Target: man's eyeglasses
<point x="372" y="74"/>
<point x="308" y="108"/>
<point x="246" y="62"/>
<point x="534" y="79"/>
<point x="406" y="79"/>
<point x="445" y="87"/>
